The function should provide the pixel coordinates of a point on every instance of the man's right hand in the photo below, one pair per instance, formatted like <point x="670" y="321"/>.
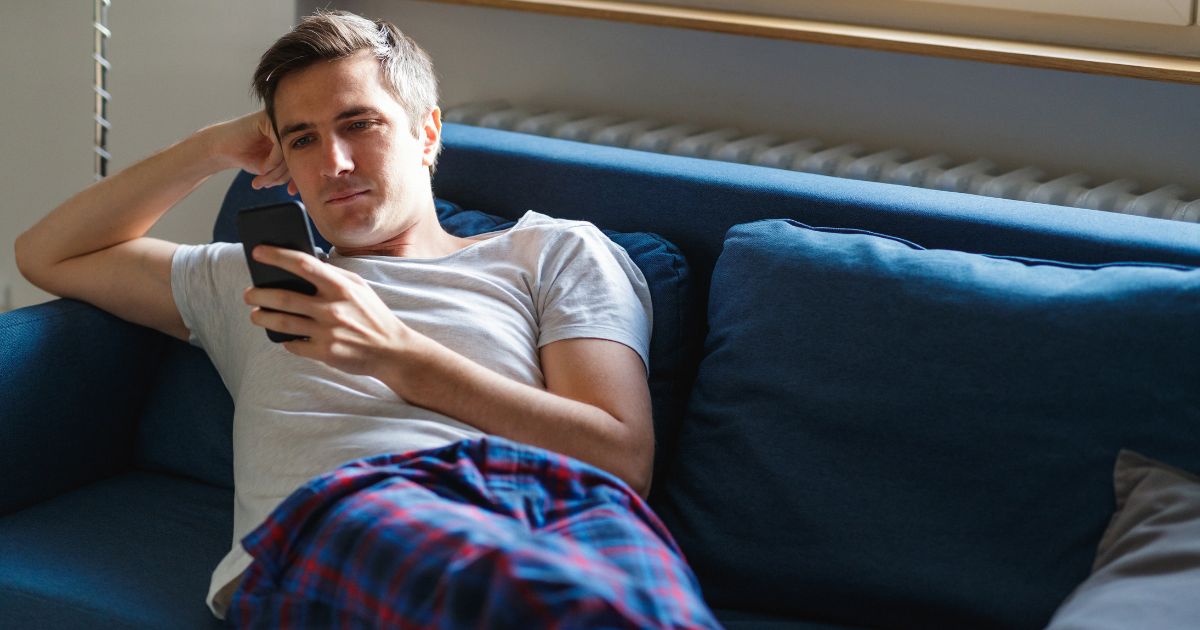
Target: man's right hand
<point x="249" y="143"/>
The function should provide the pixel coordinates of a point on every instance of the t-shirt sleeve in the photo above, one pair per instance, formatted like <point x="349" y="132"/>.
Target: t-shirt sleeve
<point x="207" y="283"/>
<point x="591" y="288"/>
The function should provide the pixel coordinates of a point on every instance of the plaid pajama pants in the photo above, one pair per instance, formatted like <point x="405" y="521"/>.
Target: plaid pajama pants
<point x="483" y="533"/>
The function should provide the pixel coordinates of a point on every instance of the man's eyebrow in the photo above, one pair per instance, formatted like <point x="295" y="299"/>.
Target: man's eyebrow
<point x="291" y="129"/>
<point x="349" y="113"/>
<point x="357" y="111"/>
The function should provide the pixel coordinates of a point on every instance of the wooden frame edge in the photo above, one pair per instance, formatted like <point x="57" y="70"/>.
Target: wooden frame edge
<point x="1055" y="57"/>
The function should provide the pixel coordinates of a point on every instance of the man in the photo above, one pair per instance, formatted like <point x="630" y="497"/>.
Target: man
<point x="416" y="342"/>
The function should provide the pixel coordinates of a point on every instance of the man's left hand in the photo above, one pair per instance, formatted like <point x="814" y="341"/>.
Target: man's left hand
<point x="348" y="327"/>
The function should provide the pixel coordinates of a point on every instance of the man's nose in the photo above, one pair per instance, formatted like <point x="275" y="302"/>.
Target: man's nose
<point x="336" y="158"/>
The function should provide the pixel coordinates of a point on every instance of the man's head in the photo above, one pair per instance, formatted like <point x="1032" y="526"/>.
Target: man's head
<point x="353" y="105"/>
<point x="327" y="36"/>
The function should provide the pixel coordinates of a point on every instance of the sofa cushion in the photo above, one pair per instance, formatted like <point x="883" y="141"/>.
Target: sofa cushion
<point x="881" y="432"/>
<point x="72" y="380"/>
<point x="1147" y="569"/>
<point x="186" y="426"/>
<point x="132" y="551"/>
<point x="742" y="620"/>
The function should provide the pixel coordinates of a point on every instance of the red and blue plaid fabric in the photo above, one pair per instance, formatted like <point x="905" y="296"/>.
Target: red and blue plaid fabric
<point x="483" y="533"/>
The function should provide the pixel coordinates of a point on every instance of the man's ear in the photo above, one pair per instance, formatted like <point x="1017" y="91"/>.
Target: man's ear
<point x="431" y="136"/>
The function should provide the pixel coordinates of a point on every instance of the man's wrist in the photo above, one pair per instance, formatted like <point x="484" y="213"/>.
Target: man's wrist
<point x="207" y="142"/>
<point x="412" y="366"/>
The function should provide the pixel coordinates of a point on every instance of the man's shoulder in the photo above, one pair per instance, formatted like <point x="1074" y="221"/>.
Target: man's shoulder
<point x="209" y="263"/>
<point x="554" y="231"/>
<point x="533" y="219"/>
<point x="212" y="251"/>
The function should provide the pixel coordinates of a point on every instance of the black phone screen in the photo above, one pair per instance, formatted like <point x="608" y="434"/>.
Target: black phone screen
<point x="282" y="225"/>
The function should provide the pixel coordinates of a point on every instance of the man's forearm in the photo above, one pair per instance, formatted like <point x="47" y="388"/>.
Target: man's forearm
<point x="117" y="209"/>
<point x="460" y="388"/>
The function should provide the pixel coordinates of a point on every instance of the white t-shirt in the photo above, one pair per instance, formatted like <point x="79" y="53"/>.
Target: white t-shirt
<point x="496" y="302"/>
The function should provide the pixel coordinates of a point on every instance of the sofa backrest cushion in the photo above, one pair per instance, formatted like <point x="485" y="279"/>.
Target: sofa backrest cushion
<point x="693" y="202"/>
<point x="187" y="422"/>
<point x="73" y="381"/>
<point x="882" y="432"/>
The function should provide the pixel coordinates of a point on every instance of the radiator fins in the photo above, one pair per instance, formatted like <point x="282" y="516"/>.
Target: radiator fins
<point x="853" y="161"/>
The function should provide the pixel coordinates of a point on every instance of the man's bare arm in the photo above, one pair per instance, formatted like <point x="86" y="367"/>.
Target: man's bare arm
<point x="93" y="247"/>
<point x="596" y="405"/>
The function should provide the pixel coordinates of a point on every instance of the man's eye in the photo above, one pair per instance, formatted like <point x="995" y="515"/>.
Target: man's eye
<point x="301" y="141"/>
<point x="360" y="124"/>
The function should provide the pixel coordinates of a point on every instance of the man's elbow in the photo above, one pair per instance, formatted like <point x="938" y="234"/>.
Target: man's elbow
<point x="38" y="270"/>
<point x="637" y="483"/>
<point x="642" y="488"/>
<point x="24" y="257"/>
<point x="639" y="467"/>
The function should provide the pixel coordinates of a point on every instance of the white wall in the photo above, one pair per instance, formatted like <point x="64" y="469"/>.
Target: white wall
<point x="178" y="65"/>
<point x="1107" y="126"/>
<point x="45" y="120"/>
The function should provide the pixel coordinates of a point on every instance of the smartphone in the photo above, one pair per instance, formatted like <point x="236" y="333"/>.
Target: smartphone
<point x="282" y="225"/>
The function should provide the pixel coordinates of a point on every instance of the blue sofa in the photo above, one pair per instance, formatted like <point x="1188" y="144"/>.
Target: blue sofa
<point x="896" y="408"/>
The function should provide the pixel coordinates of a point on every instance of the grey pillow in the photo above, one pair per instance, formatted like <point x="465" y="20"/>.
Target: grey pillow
<point x="1147" y="569"/>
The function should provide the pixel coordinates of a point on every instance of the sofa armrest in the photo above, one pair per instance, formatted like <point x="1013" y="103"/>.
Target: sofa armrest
<point x="72" y="383"/>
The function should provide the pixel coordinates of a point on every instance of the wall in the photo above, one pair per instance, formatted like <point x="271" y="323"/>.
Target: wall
<point x="177" y="66"/>
<point x="46" y="123"/>
<point x="1065" y="122"/>
<point x="180" y="65"/>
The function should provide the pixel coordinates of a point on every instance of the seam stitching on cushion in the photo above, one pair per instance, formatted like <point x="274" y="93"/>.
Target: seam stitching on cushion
<point x="1033" y="262"/>
<point x="1025" y="260"/>
<point x="836" y="230"/>
<point x="68" y="309"/>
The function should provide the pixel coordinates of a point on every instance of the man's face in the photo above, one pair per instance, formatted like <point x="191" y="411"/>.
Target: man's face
<point x="351" y="153"/>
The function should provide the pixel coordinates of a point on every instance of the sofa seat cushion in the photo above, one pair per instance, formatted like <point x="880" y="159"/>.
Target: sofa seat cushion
<point x="742" y="620"/>
<point x="132" y="551"/>
<point x="884" y="434"/>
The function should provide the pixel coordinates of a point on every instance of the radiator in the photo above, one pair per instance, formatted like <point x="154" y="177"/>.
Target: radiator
<point x="853" y="160"/>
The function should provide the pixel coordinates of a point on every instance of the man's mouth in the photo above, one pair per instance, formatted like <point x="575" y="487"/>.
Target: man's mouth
<point x="345" y="196"/>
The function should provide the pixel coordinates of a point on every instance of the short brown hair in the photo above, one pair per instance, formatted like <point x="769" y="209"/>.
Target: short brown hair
<point x="330" y="35"/>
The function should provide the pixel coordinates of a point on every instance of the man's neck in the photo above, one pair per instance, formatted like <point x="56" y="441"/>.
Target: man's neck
<point x="423" y="239"/>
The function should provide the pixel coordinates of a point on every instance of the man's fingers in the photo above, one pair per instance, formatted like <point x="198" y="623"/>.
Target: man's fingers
<point x="280" y="300"/>
<point x="299" y="263"/>
<point x="277" y="175"/>
<point x="272" y="170"/>
<point x="262" y="123"/>
<point x="282" y="322"/>
<point x="301" y="348"/>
